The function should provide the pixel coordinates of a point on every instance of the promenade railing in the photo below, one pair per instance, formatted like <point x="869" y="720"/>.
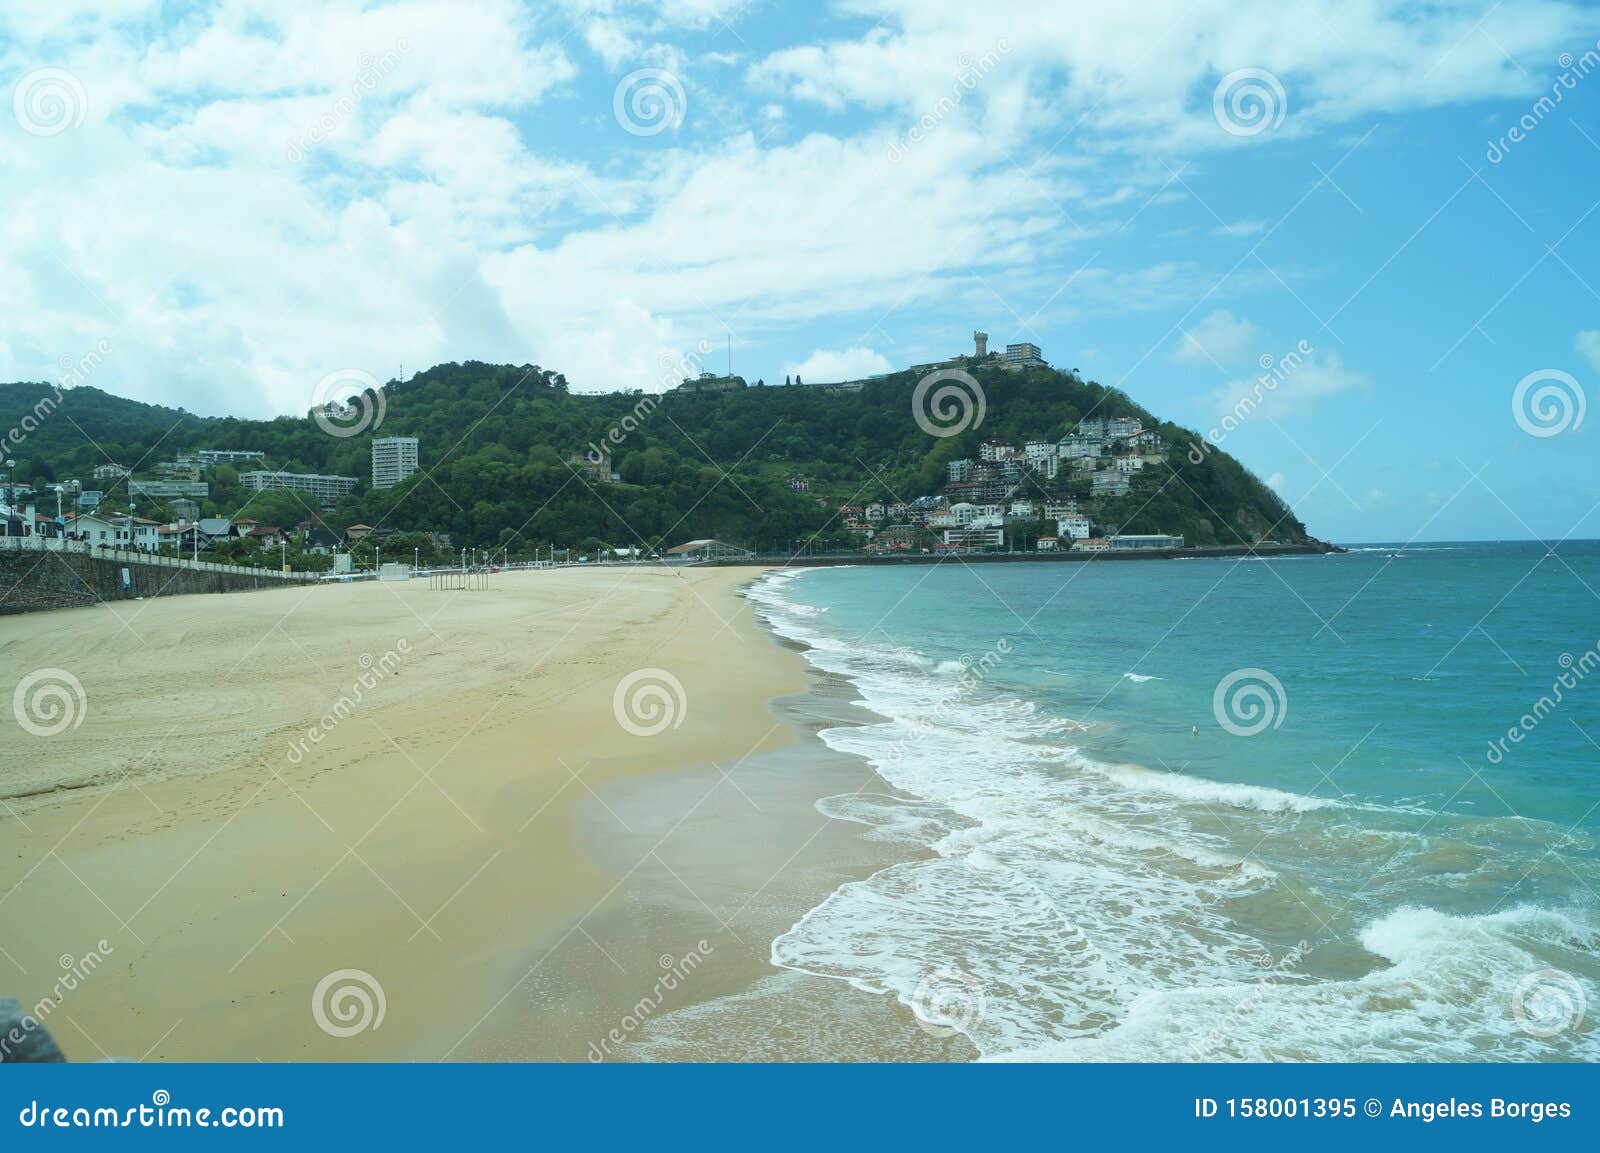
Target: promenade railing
<point x="139" y="556"/>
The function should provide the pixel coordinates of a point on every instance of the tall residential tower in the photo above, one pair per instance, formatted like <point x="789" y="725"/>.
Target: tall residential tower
<point x="393" y="459"/>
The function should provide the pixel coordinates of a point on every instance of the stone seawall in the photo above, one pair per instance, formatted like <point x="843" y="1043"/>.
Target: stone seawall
<point x="33" y="580"/>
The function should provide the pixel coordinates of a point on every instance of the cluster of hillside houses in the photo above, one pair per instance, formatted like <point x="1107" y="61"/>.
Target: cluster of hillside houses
<point x="1007" y="485"/>
<point x="121" y="531"/>
<point x="180" y="485"/>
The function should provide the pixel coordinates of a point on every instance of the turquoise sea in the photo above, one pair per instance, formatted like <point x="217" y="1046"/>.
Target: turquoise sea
<point x="1222" y="809"/>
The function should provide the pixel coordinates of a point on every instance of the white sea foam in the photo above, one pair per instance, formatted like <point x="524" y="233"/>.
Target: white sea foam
<point x="1140" y="678"/>
<point x="1104" y="914"/>
<point x="1210" y="792"/>
<point x="1058" y="887"/>
<point x="1447" y="989"/>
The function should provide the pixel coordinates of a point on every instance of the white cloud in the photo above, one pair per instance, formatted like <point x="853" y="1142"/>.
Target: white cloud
<point x="1588" y="346"/>
<point x="458" y="55"/>
<point x="1135" y="73"/>
<point x="844" y="364"/>
<point x="611" y="40"/>
<point x="431" y="223"/>
<point x="1221" y="339"/>
<point x="1287" y="388"/>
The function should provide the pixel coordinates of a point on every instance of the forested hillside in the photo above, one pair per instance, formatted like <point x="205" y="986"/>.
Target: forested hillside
<point x="498" y="445"/>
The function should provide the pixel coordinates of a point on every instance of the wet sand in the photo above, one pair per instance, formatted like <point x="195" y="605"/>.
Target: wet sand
<point x="717" y="862"/>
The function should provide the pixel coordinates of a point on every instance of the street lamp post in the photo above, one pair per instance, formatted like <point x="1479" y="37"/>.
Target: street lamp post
<point x="11" y="494"/>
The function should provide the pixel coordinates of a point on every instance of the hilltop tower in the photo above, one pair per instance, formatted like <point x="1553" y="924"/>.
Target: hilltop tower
<point x="980" y="341"/>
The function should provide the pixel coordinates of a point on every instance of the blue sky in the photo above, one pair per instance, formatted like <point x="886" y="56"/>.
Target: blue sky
<point x="239" y="200"/>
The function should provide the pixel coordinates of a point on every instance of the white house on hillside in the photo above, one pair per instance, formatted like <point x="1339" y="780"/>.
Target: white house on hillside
<point x="111" y="531"/>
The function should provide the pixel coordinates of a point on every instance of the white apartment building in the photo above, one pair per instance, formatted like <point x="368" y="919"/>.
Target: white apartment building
<point x="975" y="536"/>
<point x="393" y="459"/>
<point x="1128" y="463"/>
<point x="209" y="456"/>
<point x="1074" y="527"/>
<point x="326" y="489"/>
<point x="1043" y="456"/>
<point x="164" y="489"/>
<point x="976" y="515"/>
<point x="1078" y="448"/>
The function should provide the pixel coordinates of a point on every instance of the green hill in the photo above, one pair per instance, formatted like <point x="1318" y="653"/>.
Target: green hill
<point x="499" y="445"/>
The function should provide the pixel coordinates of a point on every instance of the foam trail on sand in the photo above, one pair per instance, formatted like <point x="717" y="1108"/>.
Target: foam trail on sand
<point x="1104" y="912"/>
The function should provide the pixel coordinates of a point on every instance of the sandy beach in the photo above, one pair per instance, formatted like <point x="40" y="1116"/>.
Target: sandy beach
<point x="257" y="792"/>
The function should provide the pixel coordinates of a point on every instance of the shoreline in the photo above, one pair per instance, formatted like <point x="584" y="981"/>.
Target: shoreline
<point x="1048" y="556"/>
<point x="718" y="866"/>
<point x="427" y="839"/>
